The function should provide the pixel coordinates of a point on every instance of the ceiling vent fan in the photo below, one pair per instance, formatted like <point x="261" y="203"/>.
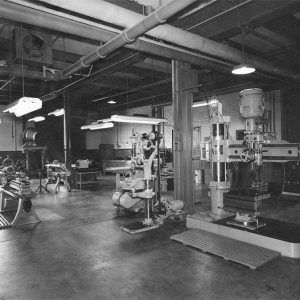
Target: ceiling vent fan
<point x="33" y="46"/>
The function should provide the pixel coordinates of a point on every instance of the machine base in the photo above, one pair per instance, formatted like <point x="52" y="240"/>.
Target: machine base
<point x="276" y="235"/>
<point x="138" y="227"/>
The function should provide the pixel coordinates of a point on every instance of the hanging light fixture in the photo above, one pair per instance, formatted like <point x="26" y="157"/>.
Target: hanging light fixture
<point x="199" y="104"/>
<point x="23" y="106"/>
<point x="37" y="119"/>
<point x="111" y="102"/>
<point x="57" y="112"/>
<point x="96" y="126"/>
<point x="104" y="120"/>
<point x="137" y="119"/>
<point x="243" y="68"/>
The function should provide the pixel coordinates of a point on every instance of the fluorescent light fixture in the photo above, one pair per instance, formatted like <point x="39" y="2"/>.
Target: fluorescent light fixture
<point x="57" y="112"/>
<point x="137" y="119"/>
<point x="111" y="102"/>
<point x="23" y="106"/>
<point x="199" y="104"/>
<point x="243" y="69"/>
<point x="96" y="126"/>
<point x="102" y="126"/>
<point x="37" y="119"/>
<point x="104" y="120"/>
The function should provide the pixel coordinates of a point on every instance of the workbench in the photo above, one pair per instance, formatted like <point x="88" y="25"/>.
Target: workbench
<point x="84" y="178"/>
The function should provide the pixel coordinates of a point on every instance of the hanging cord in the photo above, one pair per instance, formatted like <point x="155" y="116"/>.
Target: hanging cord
<point x="152" y="79"/>
<point x="127" y="92"/>
<point x="243" y="28"/>
<point x="22" y="58"/>
<point x="64" y="50"/>
<point x="243" y="42"/>
<point x="12" y="116"/>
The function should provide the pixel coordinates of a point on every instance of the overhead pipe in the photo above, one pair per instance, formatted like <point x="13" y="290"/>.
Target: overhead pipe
<point x="117" y="15"/>
<point x="129" y="35"/>
<point x="36" y="15"/>
<point x="14" y="70"/>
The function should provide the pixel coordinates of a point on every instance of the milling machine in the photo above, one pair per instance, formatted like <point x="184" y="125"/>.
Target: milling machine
<point x="139" y="191"/>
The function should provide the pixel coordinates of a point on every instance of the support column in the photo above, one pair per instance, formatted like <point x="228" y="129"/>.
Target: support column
<point x="183" y="79"/>
<point x="157" y="112"/>
<point x="67" y="118"/>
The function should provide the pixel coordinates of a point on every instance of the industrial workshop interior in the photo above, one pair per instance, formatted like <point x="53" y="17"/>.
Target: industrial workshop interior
<point x="149" y="149"/>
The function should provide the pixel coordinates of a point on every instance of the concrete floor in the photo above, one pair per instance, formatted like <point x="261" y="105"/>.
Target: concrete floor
<point x="78" y="252"/>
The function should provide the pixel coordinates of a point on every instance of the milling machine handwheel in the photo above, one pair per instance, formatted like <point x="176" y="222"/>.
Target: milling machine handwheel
<point x="247" y="155"/>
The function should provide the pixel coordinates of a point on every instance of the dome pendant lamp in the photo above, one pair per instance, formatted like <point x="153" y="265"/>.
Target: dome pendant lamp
<point x="243" y="68"/>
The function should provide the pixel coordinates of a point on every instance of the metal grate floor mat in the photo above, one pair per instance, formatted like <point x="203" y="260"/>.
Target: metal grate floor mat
<point x="3" y="222"/>
<point x="230" y="249"/>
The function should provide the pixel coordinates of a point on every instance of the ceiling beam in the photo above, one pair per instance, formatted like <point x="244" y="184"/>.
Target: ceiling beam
<point x="286" y="26"/>
<point x="170" y="34"/>
<point x="265" y="16"/>
<point x="59" y="22"/>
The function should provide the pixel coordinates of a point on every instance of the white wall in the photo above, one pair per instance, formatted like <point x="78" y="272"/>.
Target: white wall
<point x="11" y="129"/>
<point x="120" y="134"/>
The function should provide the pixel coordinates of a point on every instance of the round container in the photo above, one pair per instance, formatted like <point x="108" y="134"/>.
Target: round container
<point x="30" y="136"/>
<point x="252" y="103"/>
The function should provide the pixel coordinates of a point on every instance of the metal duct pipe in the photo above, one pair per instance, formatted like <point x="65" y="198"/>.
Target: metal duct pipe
<point x="15" y="71"/>
<point x="129" y="35"/>
<point x="122" y="17"/>
<point x="36" y="15"/>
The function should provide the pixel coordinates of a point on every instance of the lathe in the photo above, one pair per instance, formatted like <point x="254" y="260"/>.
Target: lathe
<point x="235" y="207"/>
